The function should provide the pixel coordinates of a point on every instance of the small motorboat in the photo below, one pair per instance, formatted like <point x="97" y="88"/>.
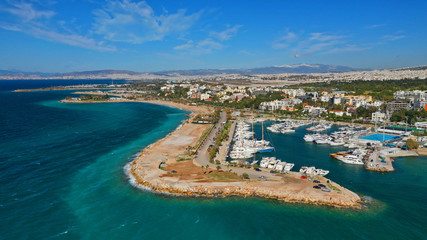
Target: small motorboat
<point x="326" y="189"/>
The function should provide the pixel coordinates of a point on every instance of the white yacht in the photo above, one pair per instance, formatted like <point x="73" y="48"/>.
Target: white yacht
<point x="351" y="159"/>
<point x="287" y="130"/>
<point x="308" y="138"/>
<point x="322" y="140"/>
<point x="337" y="142"/>
<point x="288" y="167"/>
<point x="312" y="171"/>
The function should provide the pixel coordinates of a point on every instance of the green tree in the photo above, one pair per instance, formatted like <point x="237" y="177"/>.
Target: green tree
<point x="366" y="112"/>
<point x="245" y="176"/>
<point x="412" y="144"/>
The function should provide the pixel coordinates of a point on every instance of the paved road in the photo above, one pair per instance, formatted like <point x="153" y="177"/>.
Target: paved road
<point x="202" y="157"/>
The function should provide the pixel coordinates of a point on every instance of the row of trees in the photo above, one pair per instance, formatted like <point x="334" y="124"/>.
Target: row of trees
<point x="409" y="116"/>
<point x="220" y="137"/>
<point x="94" y="97"/>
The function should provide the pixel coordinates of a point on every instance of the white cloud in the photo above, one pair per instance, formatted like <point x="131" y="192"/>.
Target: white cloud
<point x="211" y="43"/>
<point x="27" y="12"/>
<point x="54" y="36"/>
<point x="205" y="46"/>
<point x="71" y="39"/>
<point x="246" y="52"/>
<point x="304" y="45"/>
<point x="285" y="40"/>
<point x="136" y="22"/>
<point x="226" y="34"/>
<point x="323" y="37"/>
<point x="376" y="26"/>
<point x="393" y="37"/>
<point x="35" y="22"/>
<point x="187" y="45"/>
<point x="289" y="36"/>
<point x="347" y="48"/>
<point x="317" y="47"/>
<point x="117" y="21"/>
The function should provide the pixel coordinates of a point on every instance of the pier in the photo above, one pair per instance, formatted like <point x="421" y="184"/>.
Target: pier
<point x="375" y="162"/>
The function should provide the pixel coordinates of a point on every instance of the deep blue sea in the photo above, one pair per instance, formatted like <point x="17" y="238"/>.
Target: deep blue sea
<point x="62" y="177"/>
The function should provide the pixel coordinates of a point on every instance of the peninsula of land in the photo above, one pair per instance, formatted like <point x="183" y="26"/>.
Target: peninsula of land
<point x="166" y="167"/>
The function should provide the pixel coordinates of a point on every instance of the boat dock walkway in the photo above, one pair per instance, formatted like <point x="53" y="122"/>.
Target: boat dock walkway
<point x="403" y="153"/>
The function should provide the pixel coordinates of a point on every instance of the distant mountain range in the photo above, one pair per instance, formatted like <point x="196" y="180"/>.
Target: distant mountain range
<point x="300" y="68"/>
<point x="297" y="69"/>
<point x="8" y="72"/>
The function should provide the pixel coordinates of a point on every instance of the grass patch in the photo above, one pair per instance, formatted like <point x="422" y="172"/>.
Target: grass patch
<point x="333" y="187"/>
<point x="224" y="176"/>
<point x="183" y="159"/>
<point x="204" y="135"/>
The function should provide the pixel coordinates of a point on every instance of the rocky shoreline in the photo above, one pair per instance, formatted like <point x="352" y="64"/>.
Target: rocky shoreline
<point x="203" y="191"/>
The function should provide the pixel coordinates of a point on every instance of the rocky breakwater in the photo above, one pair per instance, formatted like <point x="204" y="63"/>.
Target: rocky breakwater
<point x="302" y="192"/>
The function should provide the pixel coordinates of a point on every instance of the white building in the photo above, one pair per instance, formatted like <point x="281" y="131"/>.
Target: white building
<point x="337" y="100"/>
<point x="204" y="96"/>
<point x="378" y="117"/>
<point x="339" y="113"/>
<point x="325" y="98"/>
<point x="421" y="125"/>
<point x="294" y="92"/>
<point x="316" y="111"/>
<point x="279" y="104"/>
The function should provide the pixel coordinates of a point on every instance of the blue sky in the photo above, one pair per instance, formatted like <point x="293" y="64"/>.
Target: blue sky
<point x="78" y="35"/>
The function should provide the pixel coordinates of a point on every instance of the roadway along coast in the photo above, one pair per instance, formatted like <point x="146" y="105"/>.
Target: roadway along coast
<point x="166" y="167"/>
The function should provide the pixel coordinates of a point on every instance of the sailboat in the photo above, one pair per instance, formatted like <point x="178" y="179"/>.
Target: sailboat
<point x="264" y="148"/>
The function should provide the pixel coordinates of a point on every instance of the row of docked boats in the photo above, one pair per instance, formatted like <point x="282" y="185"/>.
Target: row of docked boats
<point x="286" y="126"/>
<point x="345" y="136"/>
<point x="245" y="143"/>
<point x="320" y="127"/>
<point x="276" y="164"/>
<point x="324" y="139"/>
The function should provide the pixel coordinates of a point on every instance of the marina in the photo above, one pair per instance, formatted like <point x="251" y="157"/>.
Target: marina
<point x="373" y="151"/>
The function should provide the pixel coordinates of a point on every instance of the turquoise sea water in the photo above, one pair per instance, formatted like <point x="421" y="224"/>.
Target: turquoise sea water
<point x="62" y="177"/>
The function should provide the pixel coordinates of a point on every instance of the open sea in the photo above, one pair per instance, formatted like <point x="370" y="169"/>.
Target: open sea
<point x="62" y="177"/>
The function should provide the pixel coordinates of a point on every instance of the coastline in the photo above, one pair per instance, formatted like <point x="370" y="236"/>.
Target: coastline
<point x="190" y="180"/>
<point x="144" y="172"/>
